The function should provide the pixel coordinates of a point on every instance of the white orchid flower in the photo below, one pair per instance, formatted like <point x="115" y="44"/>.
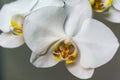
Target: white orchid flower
<point x="82" y="42"/>
<point x="12" y="18"/>
<point x="110" y="9"/>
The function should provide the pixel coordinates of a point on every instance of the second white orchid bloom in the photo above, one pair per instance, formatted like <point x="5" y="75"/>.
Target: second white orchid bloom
<point x="109" y="8"/>
<point x="82" y="42"/>
<point x="11" y="22"/>
<point x="12" y="17"/>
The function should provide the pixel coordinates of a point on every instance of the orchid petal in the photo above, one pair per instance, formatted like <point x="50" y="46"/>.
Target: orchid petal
<point x="70" y="4"/>
<point x="77" y="70"/>
<point x="112" y="15"/>
<point x="44" y="3"/>
<point x="97" y="44"/>
<point x="42" y="29"/>
<point x="43" y="61"/>
<point x="116" y="4"/>
<point x="9" y="10"/>
<point x="9" y="40"/>
<point x="76" y="2"/>
<point x="79" y="13"/>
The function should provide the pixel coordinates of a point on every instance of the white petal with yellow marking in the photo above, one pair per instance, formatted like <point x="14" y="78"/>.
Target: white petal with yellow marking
<point x="42" y="29"/>
<point x="11" y="9"/>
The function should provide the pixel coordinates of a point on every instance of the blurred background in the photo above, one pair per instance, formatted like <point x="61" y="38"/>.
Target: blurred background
<point x="15" y="65"/>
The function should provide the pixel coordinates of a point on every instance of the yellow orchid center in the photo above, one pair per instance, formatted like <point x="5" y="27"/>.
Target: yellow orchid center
<point x="100" y="5"/>
<point x="17" y="24"/>
<point x="65" y="50"/>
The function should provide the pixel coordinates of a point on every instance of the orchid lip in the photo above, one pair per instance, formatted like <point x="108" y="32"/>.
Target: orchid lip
<point x="101" y="5"/>
<point x="17" y="24"/>
<point x="65" y="50"/>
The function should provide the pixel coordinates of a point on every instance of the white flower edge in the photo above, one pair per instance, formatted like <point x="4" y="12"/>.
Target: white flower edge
<point x="116" y="4"/>
<point x="44" y="3"/>
<point x="112" y="15"/>
<point x="9" y="40"/>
